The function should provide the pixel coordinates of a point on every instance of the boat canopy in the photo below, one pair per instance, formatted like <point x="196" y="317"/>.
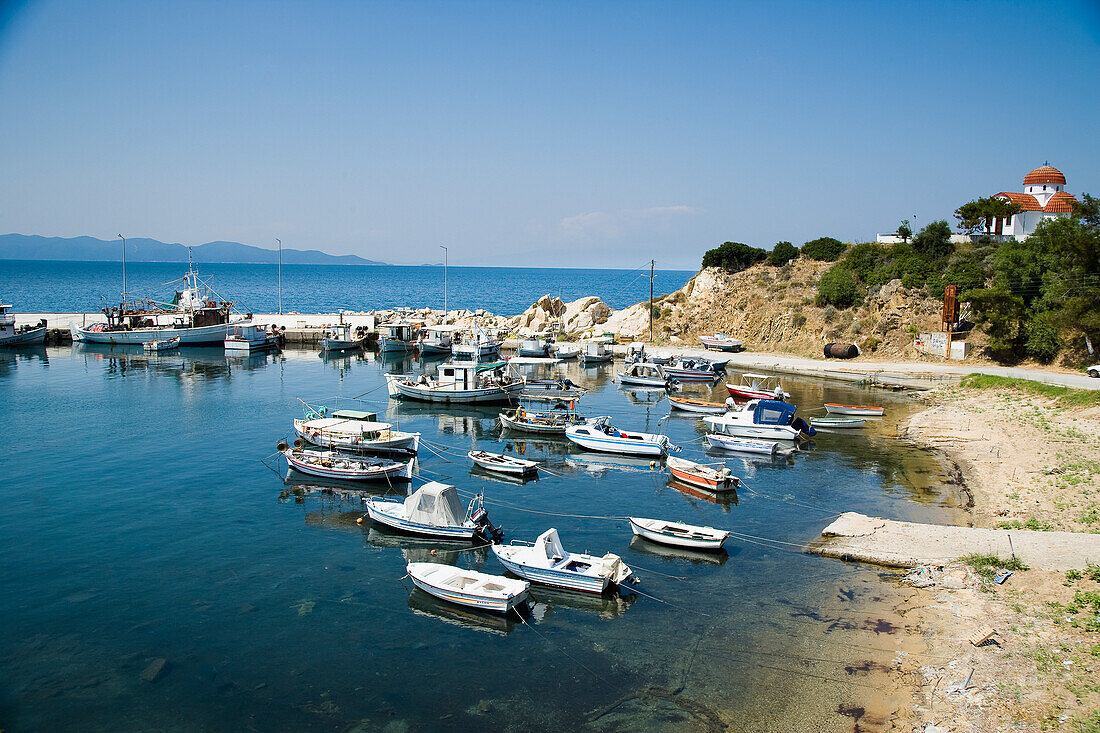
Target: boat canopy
<point x="443" y="328"/>
<point x="750" y="375"/>
<point x="551" y="546"/>
<point x="355" y="415"/>
<point x="436" y="504"/>
<point x="773" y="412"/>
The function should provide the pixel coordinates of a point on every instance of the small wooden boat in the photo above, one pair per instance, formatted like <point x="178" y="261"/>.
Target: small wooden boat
<point x="356" y="431"/>
<point x="333" y="464"/>
<point x="721" y="342"/>
<point x="689" y="405"/>
<point x="838" y="422"/>
<point x="599" y="434"/>
<point x="468" y="587"/>
<point x="687" y="369"/>
<point x="834" y="408"/>
<point x="552" y="389"/>
<point x="550" y="422"/>
<point x="743" y="445"/>
<point x="703" y="476"/>
<point x="433" y="510"/>
<point x="679" y="535"/>
<point x="757" y="387"/>
<point x="644" y="374"/>
<point x="546" y="561"/>
<point x="502" y="464"/>
<point x="158" y="345"/>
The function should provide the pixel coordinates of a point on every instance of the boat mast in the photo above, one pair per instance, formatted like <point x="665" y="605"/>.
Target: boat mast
<point x="651" y="301"/>
<point x="446" y="256"/>
<point x="123" y="268"/>
<point x="280" y="275"/>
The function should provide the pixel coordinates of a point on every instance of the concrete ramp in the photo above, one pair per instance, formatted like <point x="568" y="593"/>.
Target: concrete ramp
<point x="856" y="536"/>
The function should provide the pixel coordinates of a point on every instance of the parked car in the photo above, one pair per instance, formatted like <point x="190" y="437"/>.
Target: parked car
<point x="1093" y="371"/>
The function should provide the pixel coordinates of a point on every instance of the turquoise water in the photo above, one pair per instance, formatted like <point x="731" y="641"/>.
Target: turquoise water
<point x="141" y="523"/>
<point x="85" y="287"/>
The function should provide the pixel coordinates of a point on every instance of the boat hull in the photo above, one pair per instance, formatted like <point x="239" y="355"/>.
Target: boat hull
<point x="187" y="336"/>
<point x="641" y="381"/>
<point x="699" y="407"/>
<point x="526" y="427"/>
<point x="557" y="578"/>
<point x="388" y="345"/>
<point x="857" y="410"/>
<point x="398" y="471"/>
<point x="744" y="394"/>
<point x="406" y="442"/>
<point x="675" y="541"/>
<point x="702" y="482"/>
<point x="489" y="395"/>
<point x="427" y="348"/>
<point x="251" y="347"/>
<point x="607" y="444"/>
<point x="721" y="344"/>
<point x="424" y="530"/>
<point x="602" y="359"/>
<point x="330" y="344"/>
<point x="758" y="432"/>
<point x="691" y="375"/>
<point x="838" y="423"/>
<point x="726" y="442"/>
<point x="27" y="338"/>
<point x="481" y="603"/>
<point x="517" y="468"/>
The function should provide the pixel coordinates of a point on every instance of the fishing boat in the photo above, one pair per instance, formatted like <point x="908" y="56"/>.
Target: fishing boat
<point x="535" y="347"/>
<point x="250" y="339"/>
<point x="501" y="463"/>
<point x="23" y="336"/>
<point x="159" y="345"/>
<point x="698" y="406"/>
<point x="743" y="445"/>
<point x="543" y="422"/>
<point x="341" y="338"/>
<point x="553" y="389"/>
<point x="459" y="383"/>
<point x="194" y="315"/>
<point x="768" y="419"/>
<point x="599" y="434"/>
<point x="474" y="347"/>
<point x="397" y="337"/>
<point x="352" y="430"/>
<point x="334" y="464"/>
<point x="834" y="408"/>
<point x="701" y="475"/>
<point x="565" y="352"/>
<point x="470" y="588"/>
<point x="433" y="510"/>
<point x="645" y="374"/>
<point x="686" y="369"/>
<point x="721" y="342"/>
<point x="546" y="561"/>
<point x="679" y="535"/>
<point x="839" y="423"/>
<point x="757" y="387"/>
<point x="595" y="352"/>
<point x="436" y="340"/>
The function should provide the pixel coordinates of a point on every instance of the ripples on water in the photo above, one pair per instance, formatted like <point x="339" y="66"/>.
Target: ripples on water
<point x="141" y="523"/>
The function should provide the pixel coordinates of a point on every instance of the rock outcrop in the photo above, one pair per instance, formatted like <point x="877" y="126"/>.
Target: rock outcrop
<point x="576" y="317"/>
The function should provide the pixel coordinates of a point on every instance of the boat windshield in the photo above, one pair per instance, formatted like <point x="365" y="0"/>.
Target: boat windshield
<point x="773" y="412"/>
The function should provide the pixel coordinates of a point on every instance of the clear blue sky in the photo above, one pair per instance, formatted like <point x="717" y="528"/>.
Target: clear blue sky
<point x="563" y="134"/>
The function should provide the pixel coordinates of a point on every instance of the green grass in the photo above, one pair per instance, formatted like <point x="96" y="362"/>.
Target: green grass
<point x="987" y="565"/>
<point x="1066" y="396"/>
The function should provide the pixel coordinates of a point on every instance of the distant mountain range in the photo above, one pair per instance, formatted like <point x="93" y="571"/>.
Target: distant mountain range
<point x="140" y="249"/>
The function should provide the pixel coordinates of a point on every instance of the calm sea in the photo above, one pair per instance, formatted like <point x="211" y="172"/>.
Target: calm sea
<point x="64" y="287"/>
<point x="145" y="518"/>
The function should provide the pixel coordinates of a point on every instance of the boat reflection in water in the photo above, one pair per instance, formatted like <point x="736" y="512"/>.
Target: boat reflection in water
<point x="504" y="478"/>
<point x="423" y="549"/>
<point x="723" y="499"/>
<point x="600" y="463"/>
<point x="607" y="605"/>
<point x="647" y="547"/>
<point x="423" y="604"/>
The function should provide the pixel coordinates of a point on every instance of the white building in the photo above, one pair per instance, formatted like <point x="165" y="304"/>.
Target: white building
<point x="1044" y="197"/>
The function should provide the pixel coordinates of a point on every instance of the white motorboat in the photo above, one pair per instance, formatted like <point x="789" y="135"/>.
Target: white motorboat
<point x="433" y="510"/>
<point x="687" y="369"/>
<point x="535" y="347"/>
<point x="599" y="434"/>
<point x="757" y="387"/>
<point x="711" y="478"/>
<point x="546" y="561"/>
<point x="678" y="534"/>
<point x="595" y="352"/>
<point x="341" y="337"/>
<point x="482" y="591"/>
<point x="644" y="374"/>
<point x="22" y="336"/>
<point x="334" y="464"/>
<point x="400" y="337"/>
<point x="743" y="445"/>
<point x="250" y="338"/>
<point x="501" y="463"/>
<point x="459" y="383"/>
<point x="547" y="422"/>
<point x="762" y="419"/>
<point x="834" y="408"/>
<point x="697" y="406"/>
<point x="352" y="430"/>
<point x="721" y="342"/>
<point x="566" y="351"/>
<point x="159" y="345"/>
<point x="436" y="340"/>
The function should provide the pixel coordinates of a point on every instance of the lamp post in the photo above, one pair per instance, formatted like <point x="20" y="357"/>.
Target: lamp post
<point x="280" y="275"/>
<point x="123" y="268"/>
<point x="446" y="256"/>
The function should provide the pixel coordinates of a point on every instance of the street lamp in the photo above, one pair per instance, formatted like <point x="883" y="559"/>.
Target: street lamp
<point x="446" y="256"/>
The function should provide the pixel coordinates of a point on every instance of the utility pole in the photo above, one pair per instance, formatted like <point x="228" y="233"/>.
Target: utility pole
<point x="446" y="256"/>
<point x="651" y="301"/>
<point x="123" y="269"/>
<point x="280" y="275"/>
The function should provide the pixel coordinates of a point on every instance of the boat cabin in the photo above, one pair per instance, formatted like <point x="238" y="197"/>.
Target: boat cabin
<point x="400" y="331"/>
<point x="595" y="349"/>
<point x="771" y="412"/>
<point x="441" y="336"/>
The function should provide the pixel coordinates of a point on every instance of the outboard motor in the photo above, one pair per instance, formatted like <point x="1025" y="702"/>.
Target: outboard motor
<point x="803" y="427"/>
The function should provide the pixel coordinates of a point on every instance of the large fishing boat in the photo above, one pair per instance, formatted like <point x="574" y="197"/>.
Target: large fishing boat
<point x="459" y="383"/>
<point x="194" y="315"/>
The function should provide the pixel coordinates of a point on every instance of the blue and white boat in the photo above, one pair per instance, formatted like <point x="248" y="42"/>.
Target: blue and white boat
<point x="599" y="434"/>
<point x="547" y="562"/>
<point x="762" y="420"/>
<point x="400" y="337"/>
<point x="436" y="340"/>
<point x="470" y="588"/>
<point x="433" y="510"/>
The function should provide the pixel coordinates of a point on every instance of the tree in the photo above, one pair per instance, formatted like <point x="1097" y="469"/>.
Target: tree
<point x="838" y="287"/>
<point x="904" y="231"/>
<point x="823" y="249"/>
<point x="934" y="241"/>
<point x="782" y="253"/>
<point x="1088" y="210"/>
<point x="733" y="256"/>
<point x="976" y="217"/>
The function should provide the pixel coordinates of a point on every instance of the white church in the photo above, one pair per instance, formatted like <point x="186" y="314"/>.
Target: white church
<point x="1044" y="197"/>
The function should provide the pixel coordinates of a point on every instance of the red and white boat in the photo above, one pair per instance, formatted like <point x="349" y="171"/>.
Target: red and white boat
<point x="834" y="408"/>
<point x="757" y="387"/>
<point x="722" y="342"/>
<point x="706" y="477"/>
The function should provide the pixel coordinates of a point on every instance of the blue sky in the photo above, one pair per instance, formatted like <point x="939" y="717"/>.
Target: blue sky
<point x="557" y="134"/>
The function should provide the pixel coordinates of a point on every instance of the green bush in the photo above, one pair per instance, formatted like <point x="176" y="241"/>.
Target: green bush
<point x="782" y="253"/>
<point x="1043" y="341"/>
<point x="934" y="241"/>
<point x="838" y="287"/>
<point x="733" y="256"/>
<point x="823" y="249"/>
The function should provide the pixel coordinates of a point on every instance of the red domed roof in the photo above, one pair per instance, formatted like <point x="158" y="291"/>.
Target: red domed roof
<point x="1045" y="174"/>
<point x="1060" y="203"/>
<point x="1026" y="201"/>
